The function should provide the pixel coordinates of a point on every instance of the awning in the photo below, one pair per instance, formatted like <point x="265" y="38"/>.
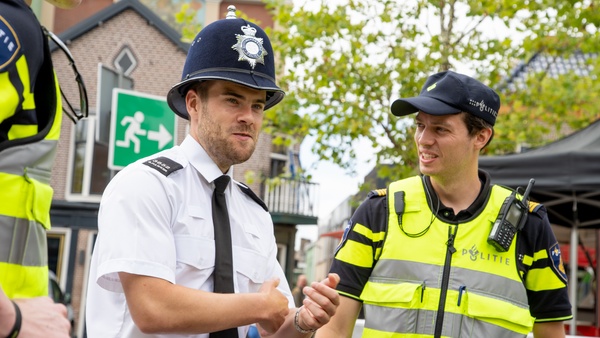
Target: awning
<point x="582" y="259"/>
<point x="335" y="234"/>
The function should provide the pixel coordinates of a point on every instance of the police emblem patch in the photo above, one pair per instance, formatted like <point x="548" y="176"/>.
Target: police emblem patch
<point x="344" y="237"/>
<point x="250" y="47"/>
<point x="9" y="44"/>
<point x="557" y="262"/>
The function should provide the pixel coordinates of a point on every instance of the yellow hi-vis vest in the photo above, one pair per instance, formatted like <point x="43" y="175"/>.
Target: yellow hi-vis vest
<point x="26" y="160"/>
<point x="484" y="295"/>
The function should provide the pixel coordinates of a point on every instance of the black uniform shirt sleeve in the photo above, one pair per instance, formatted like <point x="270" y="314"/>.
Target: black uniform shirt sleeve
<point x="21" y="42"/>
<point x="543" y="270"/>
<point x="360" y="246"/>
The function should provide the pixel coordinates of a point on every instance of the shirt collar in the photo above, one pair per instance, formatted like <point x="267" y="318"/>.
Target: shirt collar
<point x="201" y="161"/>
<point x="447" y="214"/>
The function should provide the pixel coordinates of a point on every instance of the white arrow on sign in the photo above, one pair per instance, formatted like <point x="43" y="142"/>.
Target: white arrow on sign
<point x="162" y="136"/>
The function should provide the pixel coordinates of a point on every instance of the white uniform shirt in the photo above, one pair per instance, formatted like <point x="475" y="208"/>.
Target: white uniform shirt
<point x="161" y="226"/>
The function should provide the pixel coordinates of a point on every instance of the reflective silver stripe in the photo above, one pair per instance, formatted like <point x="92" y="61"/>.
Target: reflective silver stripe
<point x="419" y="273"/>
<point x="22" y="242"/>
<point x="14" y="160"/>
<point x="455" y="325"/>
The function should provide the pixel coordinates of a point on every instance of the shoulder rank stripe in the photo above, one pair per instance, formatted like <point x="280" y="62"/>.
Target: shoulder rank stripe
<point x="533" y="206"/>
<point x="163" y="165"/>
<point x="377" y="193"/>
<point x="252" y="195"/>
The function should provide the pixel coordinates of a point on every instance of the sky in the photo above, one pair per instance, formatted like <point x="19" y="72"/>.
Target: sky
<point x="335" y="184"/>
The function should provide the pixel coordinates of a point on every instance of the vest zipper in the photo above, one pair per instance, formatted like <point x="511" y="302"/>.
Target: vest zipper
<point x="439" y="320"/>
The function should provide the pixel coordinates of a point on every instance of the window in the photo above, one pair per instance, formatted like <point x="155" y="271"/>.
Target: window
<point x="278" y="164"/>
<point x="89" y="173"/>
<point x="91" y="241"/>
<point x="284" y="161"/>
<point x="59" y="244"/>
<point x="125" y="62"/>
<point x="282" y="255"/>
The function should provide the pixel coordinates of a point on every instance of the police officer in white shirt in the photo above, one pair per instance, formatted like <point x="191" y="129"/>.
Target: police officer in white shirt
<point x="153" y="262"/>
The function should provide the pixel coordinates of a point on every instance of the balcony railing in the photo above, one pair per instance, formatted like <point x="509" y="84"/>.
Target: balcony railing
<point x="294" y="198"/>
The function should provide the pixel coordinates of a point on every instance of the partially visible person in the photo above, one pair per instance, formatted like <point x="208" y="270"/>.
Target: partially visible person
<point x="417" y="255"/>
<point x="37" y="317"/>
<point x="297" y="292"/>
<point x="253" y="332"/>
<point x="30" y="119"/>
<point x="155" y="259"/>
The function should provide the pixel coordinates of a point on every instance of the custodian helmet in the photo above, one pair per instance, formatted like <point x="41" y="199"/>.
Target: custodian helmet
<point x="230" y="49"/>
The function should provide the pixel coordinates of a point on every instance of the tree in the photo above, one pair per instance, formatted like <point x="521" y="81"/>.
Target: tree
<point x="346" y="61"/>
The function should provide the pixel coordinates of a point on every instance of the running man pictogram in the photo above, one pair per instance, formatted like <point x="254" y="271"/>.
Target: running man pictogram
<point x="133" y="130"/>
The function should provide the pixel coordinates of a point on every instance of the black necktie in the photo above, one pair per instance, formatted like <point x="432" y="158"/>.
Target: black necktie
<point x="223" y="274"/>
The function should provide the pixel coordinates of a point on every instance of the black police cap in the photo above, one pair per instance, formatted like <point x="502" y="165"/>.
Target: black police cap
<point x="450" y="93"/>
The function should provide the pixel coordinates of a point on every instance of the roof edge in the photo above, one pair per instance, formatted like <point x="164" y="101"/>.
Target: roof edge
<point x="115" y="9"/>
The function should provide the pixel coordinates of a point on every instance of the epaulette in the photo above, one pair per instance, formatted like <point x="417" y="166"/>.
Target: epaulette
<point x="252" y="195"/>
<point x="163" y="165"/>
<point x="533" y="207"/>
<point x="377" y="193"/>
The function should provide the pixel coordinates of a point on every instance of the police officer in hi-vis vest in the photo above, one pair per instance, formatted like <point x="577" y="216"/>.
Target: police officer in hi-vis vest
<point x="446" y="253"/>
<point x="30" y="119"/>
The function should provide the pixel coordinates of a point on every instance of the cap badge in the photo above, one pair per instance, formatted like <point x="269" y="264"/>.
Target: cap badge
<point x="483" y="107"/>
<point x="250" y="47"/>
<point x="430" y="88"/>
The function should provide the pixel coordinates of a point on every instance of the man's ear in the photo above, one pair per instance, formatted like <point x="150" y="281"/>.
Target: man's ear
<point x="482" y="138"/>
<point x="192" y="103"/>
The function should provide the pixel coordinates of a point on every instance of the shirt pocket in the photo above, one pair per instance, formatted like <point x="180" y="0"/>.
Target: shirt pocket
<point x="196" y="222"/>
<point x="198" y="252"/>
<point x="251" y="268"/>
<point x="396" y="299"/>
<point x="197" y="211"/>
<point x="498" y="312"/>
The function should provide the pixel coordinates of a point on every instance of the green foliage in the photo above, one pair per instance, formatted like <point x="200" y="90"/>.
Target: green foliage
<point x="346" y="61"/>
<point x="186" y="19"/>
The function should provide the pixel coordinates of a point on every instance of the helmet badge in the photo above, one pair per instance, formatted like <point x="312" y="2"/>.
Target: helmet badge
<point x="250" y="47"/>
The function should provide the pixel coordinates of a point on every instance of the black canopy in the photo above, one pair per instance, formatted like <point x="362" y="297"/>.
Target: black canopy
<point x="566" y="173"/>
<point x="567" y="182"/>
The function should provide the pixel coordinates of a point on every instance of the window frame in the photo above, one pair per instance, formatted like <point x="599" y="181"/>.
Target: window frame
<point x="62" y="262"/>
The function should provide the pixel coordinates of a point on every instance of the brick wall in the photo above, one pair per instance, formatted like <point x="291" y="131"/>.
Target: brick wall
<point x="159" y="67"/>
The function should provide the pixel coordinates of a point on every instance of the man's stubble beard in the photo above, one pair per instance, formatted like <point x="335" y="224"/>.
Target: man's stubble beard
<point x="221" y="150"/>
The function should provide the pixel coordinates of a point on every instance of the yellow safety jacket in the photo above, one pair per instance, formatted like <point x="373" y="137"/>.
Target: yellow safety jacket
<point x="446" y="275"/>
<point x="26" y="155"/>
